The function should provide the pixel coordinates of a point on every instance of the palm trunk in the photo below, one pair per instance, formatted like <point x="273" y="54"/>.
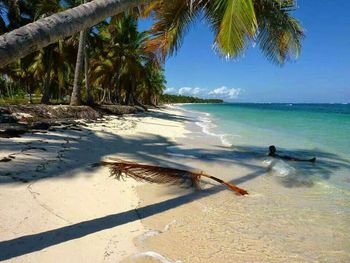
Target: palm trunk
<point x="29" y="93"/>
<point x="76" y="94"/>
<point x="129" y="96"/>
<point x="116" y="96"/>
<point x="89" y="98"/>
<point x="109" y="101"/>
<point x="137" y="103"/>
<point x="45" y="99"/>
<point x="60" y="73"/>
<point x="32" y="37"/>
<point x="132" y="100"/>
<point x="103" y="96"/>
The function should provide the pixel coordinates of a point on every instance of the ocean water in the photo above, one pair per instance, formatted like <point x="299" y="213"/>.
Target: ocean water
<point x="301" y="130"/>
<point x="324" y="126"/>
<point x="295" y="211"/>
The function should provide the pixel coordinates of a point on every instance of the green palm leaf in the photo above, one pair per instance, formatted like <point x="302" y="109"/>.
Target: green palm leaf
<point x="279" y="35"/>
<point x="235" y="24"/>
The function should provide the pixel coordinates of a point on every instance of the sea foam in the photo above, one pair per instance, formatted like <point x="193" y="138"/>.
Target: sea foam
<point x="206" y="123"/>
<point x="155" y="255"/>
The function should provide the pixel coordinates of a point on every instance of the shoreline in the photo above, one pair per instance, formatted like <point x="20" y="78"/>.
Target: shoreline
<point x="69" y="208"/>
<point x="280" y="220"/>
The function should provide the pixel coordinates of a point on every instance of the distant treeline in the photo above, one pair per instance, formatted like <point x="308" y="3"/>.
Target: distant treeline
<point x="167" y="98"/>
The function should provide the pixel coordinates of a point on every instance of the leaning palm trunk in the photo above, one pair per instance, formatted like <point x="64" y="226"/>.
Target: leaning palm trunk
<point x="32" y="37"/>
<point x="161" y="175"/>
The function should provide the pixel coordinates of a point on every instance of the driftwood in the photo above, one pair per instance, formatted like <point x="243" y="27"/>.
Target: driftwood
<point x="161" y="175"/>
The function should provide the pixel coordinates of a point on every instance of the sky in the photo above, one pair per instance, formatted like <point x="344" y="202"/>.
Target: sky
<point x="320" y="75"/>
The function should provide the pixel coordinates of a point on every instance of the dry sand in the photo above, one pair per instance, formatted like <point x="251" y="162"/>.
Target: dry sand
<point x="57" y="206"/>
<point x="69" y="210"/>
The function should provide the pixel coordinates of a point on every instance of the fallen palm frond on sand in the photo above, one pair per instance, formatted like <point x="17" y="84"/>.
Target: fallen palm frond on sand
<point x="161" y="175"/>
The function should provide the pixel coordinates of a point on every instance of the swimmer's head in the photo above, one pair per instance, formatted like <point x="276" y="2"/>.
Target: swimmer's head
<point x="272" y="149"/>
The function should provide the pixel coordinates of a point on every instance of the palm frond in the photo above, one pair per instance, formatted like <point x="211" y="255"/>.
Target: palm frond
<point x="161" y="175"/>
<point x="173" y="19"/>
<point x="234" y="24"/>
<point x="280" y="34"/>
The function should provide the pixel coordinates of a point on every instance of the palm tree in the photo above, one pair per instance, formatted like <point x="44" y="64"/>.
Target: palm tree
<point x="235" y="23"/>
<point x="44" y="8"/>
<point x="82" y="60"/>
<point x="152" y="84"/>
<point x="119" y="60"/>
<point x="76" y="93"/>
<point x="32" y="37"/>
<point x="133" y="56"/>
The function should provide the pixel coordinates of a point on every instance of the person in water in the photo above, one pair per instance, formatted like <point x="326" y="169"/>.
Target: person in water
<point x="273" y="150"/>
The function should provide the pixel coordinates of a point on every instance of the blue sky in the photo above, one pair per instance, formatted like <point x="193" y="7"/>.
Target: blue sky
<point x="322" y="73"/>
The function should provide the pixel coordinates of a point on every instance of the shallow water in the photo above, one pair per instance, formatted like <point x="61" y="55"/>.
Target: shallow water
<point x="301" y="130"/>
<point x="296" y="212"/>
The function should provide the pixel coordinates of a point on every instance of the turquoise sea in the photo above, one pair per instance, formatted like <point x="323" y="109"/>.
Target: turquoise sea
<point x="302" y="130"/>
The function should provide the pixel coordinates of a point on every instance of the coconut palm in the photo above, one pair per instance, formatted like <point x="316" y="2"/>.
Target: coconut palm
<point x="130" y="46"/>
<point x="152" y="84"/>
<point x="76" y="94"/>
<point x="76" y="99"/>
<point x="35" y="36"/>
<point x="119" y="60"/>
<point x="235" y="23"/>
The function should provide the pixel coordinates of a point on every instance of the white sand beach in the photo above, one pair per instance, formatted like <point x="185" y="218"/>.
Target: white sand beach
<point x="56" y="204"/>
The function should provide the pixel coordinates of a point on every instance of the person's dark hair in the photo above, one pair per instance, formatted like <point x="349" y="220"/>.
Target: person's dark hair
<point x="272" y="149"/>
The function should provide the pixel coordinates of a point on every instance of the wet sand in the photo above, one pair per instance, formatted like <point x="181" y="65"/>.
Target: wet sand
<point x="56" y="204"/>
<point x="284" y="219"/>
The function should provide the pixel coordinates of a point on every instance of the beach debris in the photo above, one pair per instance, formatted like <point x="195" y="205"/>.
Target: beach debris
<point x="41" y="126"/>
<point x="5" y="160"/>
<point x="161" y="175"/>
<point x="12" y="130"/>
<point x="29" y="148"/>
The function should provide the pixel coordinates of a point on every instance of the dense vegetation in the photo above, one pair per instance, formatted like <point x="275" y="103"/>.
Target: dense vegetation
<point x="168" y="98"/>
<point x="116" y="64"/>
<point x="118" y="67"/>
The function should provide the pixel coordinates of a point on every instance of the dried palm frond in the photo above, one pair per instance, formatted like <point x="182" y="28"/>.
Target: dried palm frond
<point x="161" y="175"/>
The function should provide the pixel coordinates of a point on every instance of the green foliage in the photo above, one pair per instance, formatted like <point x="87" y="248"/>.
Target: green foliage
<point x="236" y="24"/>
<point x="126" y="66"/>
<point x="121" y="68"/>
<point x="168" y="99"/>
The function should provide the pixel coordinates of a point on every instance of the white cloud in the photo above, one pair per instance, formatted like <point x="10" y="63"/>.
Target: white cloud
<point x="189" y="91"/>
<point x="185" y="91"/>
<point x="171" y="90"/>
<point x="217" y="93"/>
<point x="196" y="91"/>
<point x="225" y="92"/>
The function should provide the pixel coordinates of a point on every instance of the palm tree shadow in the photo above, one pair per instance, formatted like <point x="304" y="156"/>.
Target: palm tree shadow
<point x="32" y="243"/>
<point x="106" y="143"/>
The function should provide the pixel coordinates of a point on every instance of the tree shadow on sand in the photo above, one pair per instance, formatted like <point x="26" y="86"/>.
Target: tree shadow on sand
<point x="150" y="149"/>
